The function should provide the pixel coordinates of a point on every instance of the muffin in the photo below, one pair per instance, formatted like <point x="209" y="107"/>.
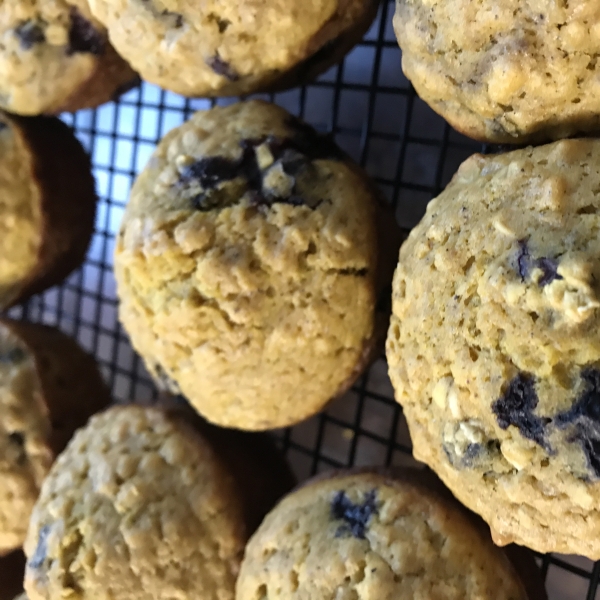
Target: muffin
<point x="494" y="343"/>
<point x="141" y="504"/>
<point x="48" y="205"/>
<point x="55" y="57"/>
<point x="48" y="388"/>
<point x="12" y="568"/>
<point x="508" y="72"/>
<point x="378" y="535"/>
<point x="249" y="263"/>
<point x="234" y="47"/>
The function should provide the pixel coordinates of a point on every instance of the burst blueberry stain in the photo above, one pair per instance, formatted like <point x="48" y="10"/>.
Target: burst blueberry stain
<point x="515" y="407"/>
<point x="222" y="67"/>
<point x="30" y="34"/>
<point x="583" y="419"/>
<point x="83" y="36"/>
<point x="356" y="517"/>
<point x="526" y="264"/>
<point x="295" y="154"/>
<point x="41" y="550"/>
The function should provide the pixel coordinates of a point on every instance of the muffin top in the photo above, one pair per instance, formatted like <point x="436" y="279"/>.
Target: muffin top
<point x="493" y="346"/>
<point x="225" y="48"/>
<point x="505" y="71"/>
<point x="247" y="248"/>
<point x="49" y="49"/>
<point x="367" y="535"/>
<point x="137" y="506"/>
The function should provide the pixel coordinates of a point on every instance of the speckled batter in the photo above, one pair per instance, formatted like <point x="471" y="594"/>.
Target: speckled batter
<point x="371" y="537"/>
<point x="43" y="374"/>
<point x="54" y="56"/>
<point x="138" y="506"/>
<point x="494" y="344"/>
<point x="505" y="71"/>
<point x="225" y="48"/>
<point x="246" y="266"/>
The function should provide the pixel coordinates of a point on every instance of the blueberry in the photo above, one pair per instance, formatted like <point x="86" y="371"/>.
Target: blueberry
<point x="39" y="556"/>
<point x="222" y="67"/>
<point x="83" y="36"/>
<point x="209" y="172"/>
<point x="526" y="264"/>
<point x="29" y="34"/>
<point x="356" y="517"/>
<point x="295" y="154"/>
<point x="515" y="407"/>
<point x="293" y="162"/>
<point x="583" y="419"/>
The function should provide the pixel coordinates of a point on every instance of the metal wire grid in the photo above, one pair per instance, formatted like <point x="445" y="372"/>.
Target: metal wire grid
<point x="411" y="153"/>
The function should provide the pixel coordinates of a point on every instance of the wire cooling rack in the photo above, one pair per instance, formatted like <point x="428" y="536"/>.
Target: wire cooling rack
<point x="411" y="153"/>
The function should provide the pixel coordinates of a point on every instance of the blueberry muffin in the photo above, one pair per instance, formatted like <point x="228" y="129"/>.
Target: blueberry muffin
<point x="54" y="57"/>
<point x="511" y="71"/>
<point x="47" y="205"/>
<point x="370" y="535"/>
<point x="494" y="343"/>
<point x="142" y="504"/>
<point x="12" y="568"/>
<point x="48" y="388"/>
<point x="248" y="266"/>
<point x="233" y="47"/>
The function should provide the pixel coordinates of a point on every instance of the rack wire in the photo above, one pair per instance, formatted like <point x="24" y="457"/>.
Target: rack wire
<point x="374" y="114"/>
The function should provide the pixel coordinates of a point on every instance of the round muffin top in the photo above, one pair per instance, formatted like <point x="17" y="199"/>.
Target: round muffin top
<point x="366" y="536"/>
<point x="494" y="343"/>
<point x="505" y="71"/>
<point x="246" y="266"/>
<point x="20" y="211"/>
<point x="137" y="506"/>
<point x="218" y="48"/>
<point x="49" y="50"/>
<point x="25" y="455"/>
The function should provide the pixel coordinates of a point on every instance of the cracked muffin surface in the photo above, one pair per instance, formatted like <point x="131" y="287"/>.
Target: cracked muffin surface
<point x="137" y="506"/>
<point x="231" y="48"/>
<point x="493" y="347"/>
<point x="369" y="536"/>
<point x="54" y="57"/>
<point x="505" y="72"/>
<point x="246" y="266"/>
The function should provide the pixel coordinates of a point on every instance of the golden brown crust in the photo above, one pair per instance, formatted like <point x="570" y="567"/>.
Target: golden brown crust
<point x="521" y="559"/>
<point x="12" y="568"/>
<point x="111" y="78"/>
<point x="72" y="387"/>
<point x="327" y="48"/>
<point x="261" y="473"/>
<point x="62" y="171"/>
